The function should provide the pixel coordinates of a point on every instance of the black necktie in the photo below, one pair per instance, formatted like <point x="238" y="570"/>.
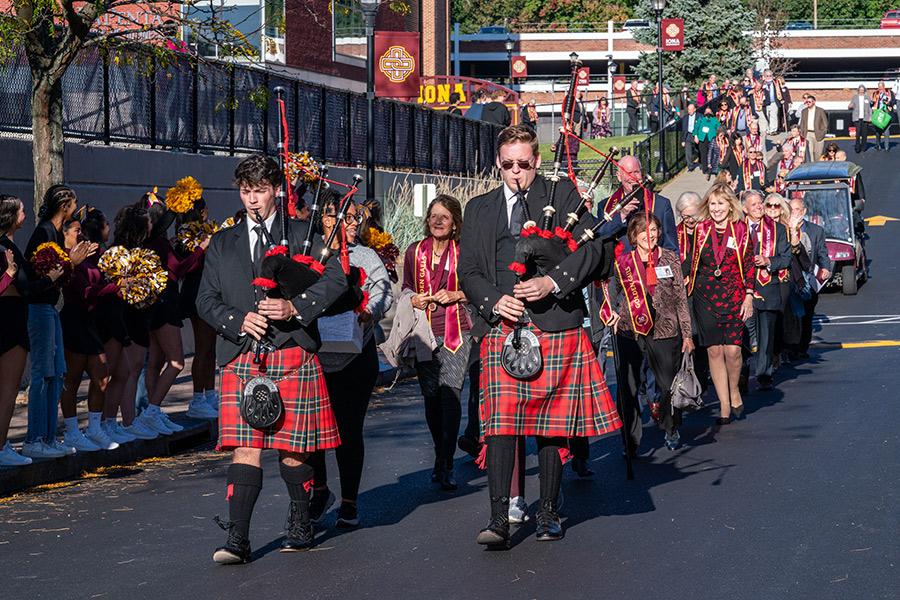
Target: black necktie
<point x="259" y="248"/>
<point x="517" y="218"/>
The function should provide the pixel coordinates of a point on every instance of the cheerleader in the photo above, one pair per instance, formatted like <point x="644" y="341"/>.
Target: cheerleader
<point x="83" y="347"/>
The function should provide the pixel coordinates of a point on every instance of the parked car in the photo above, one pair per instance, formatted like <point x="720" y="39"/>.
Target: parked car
<point x="635" y="24"/>
<point x="798" y="25"/>
<point x="494" y="30"/>
<point x="891" y="20"/>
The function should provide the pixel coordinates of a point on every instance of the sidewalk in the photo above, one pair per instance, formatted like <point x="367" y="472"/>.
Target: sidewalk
<point x="196" y="433"/>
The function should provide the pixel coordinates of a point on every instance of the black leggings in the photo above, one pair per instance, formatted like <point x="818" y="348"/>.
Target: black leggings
<point x="350" y="390"/>
<point x="664" y="357"/>
<point x="443" y="414"/>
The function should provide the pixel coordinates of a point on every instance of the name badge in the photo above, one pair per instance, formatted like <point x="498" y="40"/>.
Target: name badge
<point x="756" y="173"/>
<point x="704" y="129"/>
<point x="731" y="244"/>
<point x="664" y="272"/>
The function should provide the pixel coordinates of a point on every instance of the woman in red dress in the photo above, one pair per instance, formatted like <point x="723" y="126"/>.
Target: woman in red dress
<point x="721" y="289"/>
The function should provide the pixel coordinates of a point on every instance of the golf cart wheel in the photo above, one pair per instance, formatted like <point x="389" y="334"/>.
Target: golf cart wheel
<point x="848" y="280"/>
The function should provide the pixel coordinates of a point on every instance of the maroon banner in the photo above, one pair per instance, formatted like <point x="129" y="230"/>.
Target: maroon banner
<point x="396" y="64"/>
<point x="584" y="77"/>
<point x="619" y="85"/>
<point x="518" y="67"/>
<point x="673" y="35"/>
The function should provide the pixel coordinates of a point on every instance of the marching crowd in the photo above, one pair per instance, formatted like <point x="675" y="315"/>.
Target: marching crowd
<point x="729" y="277"/>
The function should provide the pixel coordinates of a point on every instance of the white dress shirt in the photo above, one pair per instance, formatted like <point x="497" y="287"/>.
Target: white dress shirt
<point x="511" y="198"/>
<point x="251" y="224"/>
<point x="861" y="107"/>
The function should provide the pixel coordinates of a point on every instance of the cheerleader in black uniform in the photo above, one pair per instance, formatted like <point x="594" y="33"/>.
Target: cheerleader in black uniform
<point x="126" y="335"/>
<point x="81" y="339"/>
<point x="14" y="344"/>
<point x="166" y="359"/>
<point x="205" y="401"/>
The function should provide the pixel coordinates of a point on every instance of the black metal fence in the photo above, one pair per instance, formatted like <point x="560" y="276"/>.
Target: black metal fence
<point x="199" y="106"/>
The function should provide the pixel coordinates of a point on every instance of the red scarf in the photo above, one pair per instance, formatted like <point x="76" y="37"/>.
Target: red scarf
<point x="427" y="278"/>
<point x="606" y="310"/>
<point x="683" y="240"/>
<point x="737" y="230"/>
<point x="759" y="99"/>
<point x="767" y="241"/>
<point x="722" y="143"/>
<point x="748" y="173"/>
<point x="633" y="277"/>
<point x="754" y="141"/>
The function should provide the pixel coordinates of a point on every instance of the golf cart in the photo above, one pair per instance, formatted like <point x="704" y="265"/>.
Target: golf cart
<point x="834" y="197"/>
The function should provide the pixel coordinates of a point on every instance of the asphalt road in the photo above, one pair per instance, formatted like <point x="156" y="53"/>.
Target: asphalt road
<point x="797" y="501"/>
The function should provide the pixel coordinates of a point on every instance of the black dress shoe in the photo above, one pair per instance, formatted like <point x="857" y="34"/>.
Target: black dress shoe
<point x="549" y="529"/>
<point x="723" y="420"/>
<point x="300" y="534"/>
<point x="469" y="446"/>
<point x="581" y="468"/>
<point x="496" y="535"/>
<point x="236" y="550"/>
<point x="447" y="481"/>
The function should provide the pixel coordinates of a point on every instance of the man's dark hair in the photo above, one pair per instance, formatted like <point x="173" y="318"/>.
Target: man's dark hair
<point x="518" y="133"/>
<point x="454" y="97"/>
<point x="257" y="170"/>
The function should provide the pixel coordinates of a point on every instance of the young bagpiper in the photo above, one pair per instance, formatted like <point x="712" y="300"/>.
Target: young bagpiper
<point x="244" y="318"/>
<point x="568" y="396"/>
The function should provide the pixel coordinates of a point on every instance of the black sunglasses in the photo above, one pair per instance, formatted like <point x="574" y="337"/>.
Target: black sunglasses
<point x="524" y="165"/>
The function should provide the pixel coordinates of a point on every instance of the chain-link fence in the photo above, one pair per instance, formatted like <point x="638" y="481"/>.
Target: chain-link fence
<point x="200" y="106"/>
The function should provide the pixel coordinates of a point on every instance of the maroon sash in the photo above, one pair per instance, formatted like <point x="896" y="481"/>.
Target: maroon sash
<point x="428" y="278"/>
<point x="683" y="240"/>
<point x="702" y="232"/>
<point x="649" y="200"/>
<point x="767" y="239"/>
<point x="748" y="173"/>
<point x="632" y="276"/>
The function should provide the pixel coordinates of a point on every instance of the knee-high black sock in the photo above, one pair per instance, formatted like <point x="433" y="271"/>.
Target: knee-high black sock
<point x="298" y="481"/>
<point x="550" y="467"/>
<point x="244" y="485"/>
<point x="501" y="457"/>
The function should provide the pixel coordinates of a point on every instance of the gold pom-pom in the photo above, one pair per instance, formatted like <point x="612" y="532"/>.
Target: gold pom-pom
<point x="191" y="235"/>
<point x="229" y="222"/>
<point x="301" y="167"/>
<point x="138" y="273"/>
<point x="184" y="195"/>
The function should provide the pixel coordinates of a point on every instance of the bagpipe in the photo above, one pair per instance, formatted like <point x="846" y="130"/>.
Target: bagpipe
<point x="540" y="250"/>
<point x="284" y="275"/>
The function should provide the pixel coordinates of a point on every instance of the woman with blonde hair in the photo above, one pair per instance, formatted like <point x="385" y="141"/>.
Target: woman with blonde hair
<point x="721" y="288"/>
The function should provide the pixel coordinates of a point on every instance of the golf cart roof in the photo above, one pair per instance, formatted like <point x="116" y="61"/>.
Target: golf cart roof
<point x="823" y="170"/>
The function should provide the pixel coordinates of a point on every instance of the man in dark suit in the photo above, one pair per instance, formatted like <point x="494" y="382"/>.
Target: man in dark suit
<point x="629" y="174"/>
<point x="772" y="253"/>
<point x="822" y="267"/>
<point x="687" y="136"/>
<point x="243" y="316"/>
<point x="632" y="106"/>
<point x="559" y="402"/>
<point x="495" y="111"/>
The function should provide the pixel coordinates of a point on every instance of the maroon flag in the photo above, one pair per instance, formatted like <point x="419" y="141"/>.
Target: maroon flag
<point x="518" y="67"/>
<point x="673" y="35"/>
<point x="584" y="77"/>
<point x="396" y="64"/>
<point x="619" y="85"/>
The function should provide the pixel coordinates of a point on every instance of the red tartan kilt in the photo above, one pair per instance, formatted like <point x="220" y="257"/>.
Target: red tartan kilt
<point x="567" y="398"/>
<point x="307" y="424"/>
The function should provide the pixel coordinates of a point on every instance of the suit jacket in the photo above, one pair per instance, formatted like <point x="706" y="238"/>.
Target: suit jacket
<point x="687" y="132"/>
<point x="478" y="263"/>
<point x="781" y="259"/>
<point x="818" y="253"/>
<point x="712" y="126"/>
<point x="670" y="304"/>
<point x="854" y="108"/>
<point x="226" y="294"/>
<point x="662" y="208"/>
<point x="820" y="122"/>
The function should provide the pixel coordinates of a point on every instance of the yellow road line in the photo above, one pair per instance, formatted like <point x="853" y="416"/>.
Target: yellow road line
<point x="855" y="345"/>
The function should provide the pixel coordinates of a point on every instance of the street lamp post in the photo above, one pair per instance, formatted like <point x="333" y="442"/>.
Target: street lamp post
<point x="658" y="7"/>
<point x="370" y="10"/>
<point x="509" y="51"/>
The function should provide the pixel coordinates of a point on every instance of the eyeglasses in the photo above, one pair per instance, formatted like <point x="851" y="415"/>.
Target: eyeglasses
<point x="524" y="165"/>
<point x="770" y="205"/>
<point x="348" y="219"/>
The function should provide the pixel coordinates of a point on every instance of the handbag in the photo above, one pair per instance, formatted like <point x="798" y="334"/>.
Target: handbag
<point x="881" y="118"/>
<point x="686" y="388"/>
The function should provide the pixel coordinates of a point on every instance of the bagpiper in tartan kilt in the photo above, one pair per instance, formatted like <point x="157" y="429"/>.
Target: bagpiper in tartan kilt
<point x="307" y="423"/>
<point x="568" y="398"/>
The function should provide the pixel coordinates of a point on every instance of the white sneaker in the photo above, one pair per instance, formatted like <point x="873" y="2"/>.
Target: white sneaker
<point x="172" y="425"/>
<point x="76" y="439"/>
<point x="199" y="408"/>
<point x="117" y="433"/>
<point x="100" y="439"/>
<point x="40" y="450"/>
<point x="518" y="510"/>
<point x="11" y="458"/>
<point x="62" y="447"/>
<point x="153" y="423"/>
<point x="212" y="398"/>
<point x="141" y="431"/>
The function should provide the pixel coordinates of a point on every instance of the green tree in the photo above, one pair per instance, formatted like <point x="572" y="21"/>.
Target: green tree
<point x="474" y="14"/>
<point x="714" y="42"/>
